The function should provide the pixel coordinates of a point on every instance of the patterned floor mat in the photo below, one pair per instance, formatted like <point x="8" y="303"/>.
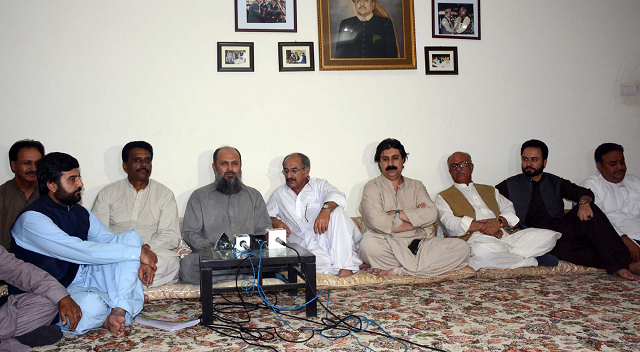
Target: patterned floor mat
<point x="563" y="312"/>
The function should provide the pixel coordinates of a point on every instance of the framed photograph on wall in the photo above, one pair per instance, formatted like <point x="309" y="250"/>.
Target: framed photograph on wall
<point x="235" y="57"/>
<point x="266" y="16"/>
<point x="441" y="60"/>
<point x="455" y="20"/>
<point x="366" y="34"/>
<point x="294" y="56"/>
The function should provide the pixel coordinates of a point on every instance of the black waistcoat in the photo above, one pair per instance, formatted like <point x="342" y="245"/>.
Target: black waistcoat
<point x="520" y="188"/>
<point x="74" y="220"/>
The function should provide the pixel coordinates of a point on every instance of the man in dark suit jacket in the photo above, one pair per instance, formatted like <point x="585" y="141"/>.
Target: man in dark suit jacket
<point x="254" y="15"/>
<point x="366" y="35"/>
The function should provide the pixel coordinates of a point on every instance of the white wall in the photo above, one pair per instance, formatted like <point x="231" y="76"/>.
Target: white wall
<point x="85" y="77"/>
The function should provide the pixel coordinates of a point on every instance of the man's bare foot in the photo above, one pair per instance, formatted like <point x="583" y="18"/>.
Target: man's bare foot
<point x="381" y="272"/>
<point x="345" y="273"/>
<point x="115" y="322"/>
<point x="626" y="274"/>
<point x="364" y="266"/>
<point x="634" y="267"/>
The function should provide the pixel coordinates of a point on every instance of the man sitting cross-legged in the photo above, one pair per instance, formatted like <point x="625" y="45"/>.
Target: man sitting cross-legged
<point x="102" y="271"/>
<point x="398" y="214"/>
<point x="479" y="214"/>
<point x="311" y="210"/>
<point x="25" y="318"/>
<point x="145" y="205"/>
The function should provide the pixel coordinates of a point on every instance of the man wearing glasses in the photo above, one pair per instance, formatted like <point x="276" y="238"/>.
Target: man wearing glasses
<point x="311" y="210"/>
<point x="398" y="236"/>
<point x="481" y="216"/>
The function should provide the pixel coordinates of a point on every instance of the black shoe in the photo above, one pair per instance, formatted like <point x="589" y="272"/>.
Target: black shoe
<point x="547" y="260"/>
<point x="42" y="336"/>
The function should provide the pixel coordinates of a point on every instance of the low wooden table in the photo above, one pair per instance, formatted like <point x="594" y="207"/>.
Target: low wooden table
<point x="224" y="262"/>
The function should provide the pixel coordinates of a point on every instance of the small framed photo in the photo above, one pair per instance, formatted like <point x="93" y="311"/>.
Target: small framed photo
<point x="266" y="16"/>
<point x="455" y="20"/>
<point x="295" y="56"/>
<point x="235" y="57"/>
<point x="441" y="60"/>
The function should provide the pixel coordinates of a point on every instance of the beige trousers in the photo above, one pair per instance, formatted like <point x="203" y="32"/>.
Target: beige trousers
<point x="435" y="256"/>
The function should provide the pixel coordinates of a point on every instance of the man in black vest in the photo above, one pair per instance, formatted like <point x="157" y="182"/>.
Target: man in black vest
<point x="587" y="236"/>
<point x="99" y="268"/>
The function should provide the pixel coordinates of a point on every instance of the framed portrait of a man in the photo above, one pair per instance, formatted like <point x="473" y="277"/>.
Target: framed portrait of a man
<point x="266" y="15"/>
<point x="455" y="20"/>
<point x="366" y="34"/>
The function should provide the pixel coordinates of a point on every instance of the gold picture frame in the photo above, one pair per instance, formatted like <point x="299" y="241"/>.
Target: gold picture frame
<point x="343" y="46"/>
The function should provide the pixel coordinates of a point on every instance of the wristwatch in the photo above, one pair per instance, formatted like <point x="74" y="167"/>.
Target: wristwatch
<point x="583" y="201"/>
<point x="501" y="221"/>
<point x="326" y="206"/>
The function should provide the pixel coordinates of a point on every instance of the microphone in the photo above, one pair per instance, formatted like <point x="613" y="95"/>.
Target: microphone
<point x="223" y="242"/>
<point x="244" y="245"/>
<point x="280" y="241"/>
<point x="258" y="240"/>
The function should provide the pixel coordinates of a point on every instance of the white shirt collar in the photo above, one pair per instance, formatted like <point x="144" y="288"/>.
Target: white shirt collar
<point x="610" y="183"/>
<point x="462" y="185"/>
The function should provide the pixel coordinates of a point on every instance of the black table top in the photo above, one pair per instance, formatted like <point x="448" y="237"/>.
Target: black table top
<point x="221" y="259"/>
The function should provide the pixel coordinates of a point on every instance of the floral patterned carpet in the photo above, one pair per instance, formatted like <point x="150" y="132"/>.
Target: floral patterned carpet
<point x="588" y="312"/>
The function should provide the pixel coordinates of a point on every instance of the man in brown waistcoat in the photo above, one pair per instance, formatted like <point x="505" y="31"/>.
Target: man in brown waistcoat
<point x="397" y="233"/>
<point x="480" y="215"/>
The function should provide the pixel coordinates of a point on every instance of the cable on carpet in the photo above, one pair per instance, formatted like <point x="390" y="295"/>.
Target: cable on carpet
<point x="258" y="336"/>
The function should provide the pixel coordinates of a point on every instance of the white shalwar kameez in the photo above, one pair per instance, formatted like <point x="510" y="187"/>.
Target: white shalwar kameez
<point x="335" y="249"/>
<point x="619" y="201"/>
<point x="512" y="250"/>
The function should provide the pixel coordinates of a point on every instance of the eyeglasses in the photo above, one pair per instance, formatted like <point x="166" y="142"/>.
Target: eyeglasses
<point x="293" y="171"/>
<point x="459" y="165"/>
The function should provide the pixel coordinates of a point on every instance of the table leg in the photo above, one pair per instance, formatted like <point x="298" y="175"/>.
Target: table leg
<point x="206" y="296"/>
<point x="310" y="289"/>
<point x="292" y="278"/>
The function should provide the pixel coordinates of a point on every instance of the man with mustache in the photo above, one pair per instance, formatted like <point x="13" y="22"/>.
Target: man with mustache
<point x="102" y="271"/>
<point x="312" y="212"/>
<point x="146" y="206"/>
<point x="480" y="215"/>
<point x="587" y="236"/>
<point x="224" y="206"/>
<point x="617" y="194"/>
<point x="368" y="34"/>
<point x="22" y="189"/>
<point x="398" y="236"/>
